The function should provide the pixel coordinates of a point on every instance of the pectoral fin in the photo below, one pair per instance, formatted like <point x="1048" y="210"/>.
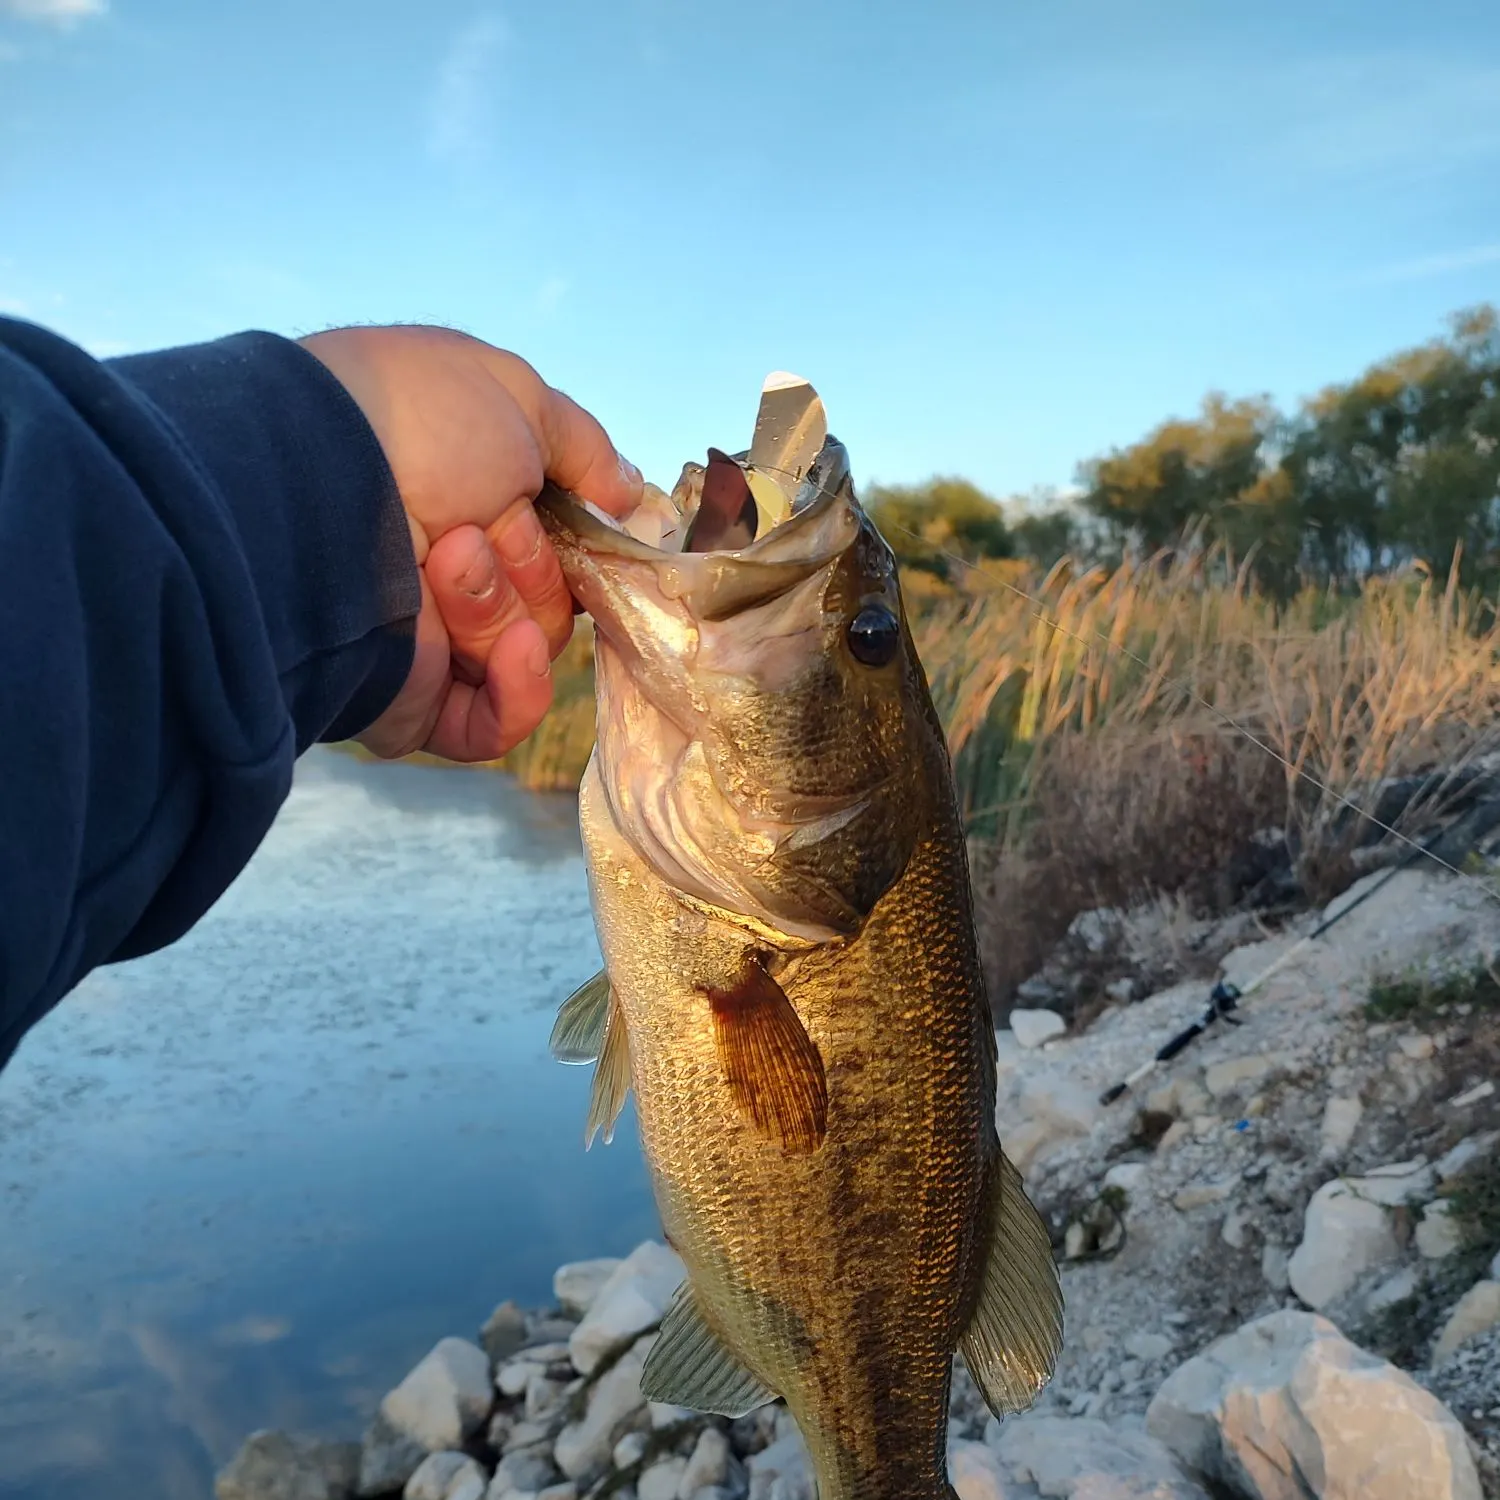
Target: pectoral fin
<point x="611" y="1077"/>
<point x="689" y="1365"/>
<point x="1012" y="1342"/>
<point x="772" y="1066"/>
<point x="578" y="1033"/>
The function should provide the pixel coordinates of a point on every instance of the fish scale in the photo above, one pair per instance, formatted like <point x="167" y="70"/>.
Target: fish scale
<point x="897" y="1182"/>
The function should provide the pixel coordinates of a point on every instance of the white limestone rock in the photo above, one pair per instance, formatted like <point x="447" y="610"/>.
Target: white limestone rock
<point x="577" y="1285"/>
<point x="1345" y="1235"/>
<point x="446" y="1476"/>
<point x="1032" y="1028"/>
<point x="632" y="1299"/>
<point x="1286" y="1407"/>
<point x="585" y="1447"/>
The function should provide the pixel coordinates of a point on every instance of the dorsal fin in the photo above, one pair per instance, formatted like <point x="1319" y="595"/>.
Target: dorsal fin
<point x="1013" y="1339"/>
<point x="689" y="1365"/>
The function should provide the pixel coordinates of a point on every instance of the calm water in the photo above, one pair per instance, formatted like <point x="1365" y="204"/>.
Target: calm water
<point x="248" y="1181"/>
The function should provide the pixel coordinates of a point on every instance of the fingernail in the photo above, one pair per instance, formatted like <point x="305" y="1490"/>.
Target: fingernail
<point x="628" y="472"/>
<point x="478" y="579"/>
<point x="537" y="659"/>
<point x="521" y="539"/>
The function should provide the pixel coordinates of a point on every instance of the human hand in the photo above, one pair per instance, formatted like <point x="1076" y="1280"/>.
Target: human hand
<point x="470" y="433"/>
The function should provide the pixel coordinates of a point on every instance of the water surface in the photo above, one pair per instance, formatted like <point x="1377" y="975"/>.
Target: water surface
<point x="249" y="1180"/>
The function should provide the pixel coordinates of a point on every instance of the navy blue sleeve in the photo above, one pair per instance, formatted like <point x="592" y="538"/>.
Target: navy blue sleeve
<point x="204" y="569"/>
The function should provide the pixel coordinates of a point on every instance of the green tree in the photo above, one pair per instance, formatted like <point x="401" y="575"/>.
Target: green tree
<point x="1047" y="531"/>
<point x="929" y="524"/>
<point x="1183" y="472"/>
<point x="1402" y="463"/>
<point x="1264" y="527"/>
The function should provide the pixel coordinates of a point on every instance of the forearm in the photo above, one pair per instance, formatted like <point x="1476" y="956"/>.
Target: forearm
<point x="204" y="568"/>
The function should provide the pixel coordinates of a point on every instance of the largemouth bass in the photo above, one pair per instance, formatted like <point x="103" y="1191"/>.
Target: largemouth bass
<point x="791" y="982"/>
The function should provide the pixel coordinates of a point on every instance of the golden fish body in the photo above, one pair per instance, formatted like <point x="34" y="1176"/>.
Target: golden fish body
<point x="842" y="1276"/>
<point x="794" y="994"/>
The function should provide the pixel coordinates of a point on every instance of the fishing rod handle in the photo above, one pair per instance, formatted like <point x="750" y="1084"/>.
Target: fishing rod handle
<point x="1118" y="1090"/>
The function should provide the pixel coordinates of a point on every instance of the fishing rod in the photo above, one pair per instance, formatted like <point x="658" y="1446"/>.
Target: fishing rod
<point x="1224" y="998"/>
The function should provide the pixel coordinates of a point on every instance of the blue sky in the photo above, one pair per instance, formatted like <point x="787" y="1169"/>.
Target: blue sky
<point x="999" y="236"/>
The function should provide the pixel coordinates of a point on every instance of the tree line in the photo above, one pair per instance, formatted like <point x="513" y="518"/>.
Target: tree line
<point x="1399" y="466"/>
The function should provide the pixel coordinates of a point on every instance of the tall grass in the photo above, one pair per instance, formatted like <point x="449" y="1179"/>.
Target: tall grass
<point x="1125" y="733"/>
<point x="1344" y="691"/>
<point x="1086" y="653"/>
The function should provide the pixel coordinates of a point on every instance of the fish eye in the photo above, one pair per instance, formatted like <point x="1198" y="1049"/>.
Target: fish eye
<point x="874" y="636"/>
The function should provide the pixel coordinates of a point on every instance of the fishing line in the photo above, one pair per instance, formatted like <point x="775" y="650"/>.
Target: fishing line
<point x="1224" y="997"/>
<point x="1178" y="685"/>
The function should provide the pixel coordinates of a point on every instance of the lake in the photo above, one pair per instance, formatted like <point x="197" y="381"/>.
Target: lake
<point x="249" y="1181"/>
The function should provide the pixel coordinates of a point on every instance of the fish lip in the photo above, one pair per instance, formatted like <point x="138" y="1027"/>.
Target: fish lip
<point x="562" y="511"/>
<point x="711" y="586"/>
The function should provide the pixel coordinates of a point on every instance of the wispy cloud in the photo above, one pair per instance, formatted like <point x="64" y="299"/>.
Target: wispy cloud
<point x="1382" y="114"/>
<point x="550" y="294"/>
<point x="55" y="12"/>
<point x="1379" y="112"/>
<point x="1429" y="267"/>
<point x="461" y="117"/>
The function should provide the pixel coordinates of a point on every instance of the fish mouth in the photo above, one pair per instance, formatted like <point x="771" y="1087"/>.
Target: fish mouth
<point x="712" y="585"/>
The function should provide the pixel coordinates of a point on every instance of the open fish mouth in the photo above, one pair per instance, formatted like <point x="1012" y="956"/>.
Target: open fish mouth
<point x="734" y="532"/>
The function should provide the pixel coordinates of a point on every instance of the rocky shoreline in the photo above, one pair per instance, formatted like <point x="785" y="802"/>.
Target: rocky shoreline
<point x="1281" y="1262"/>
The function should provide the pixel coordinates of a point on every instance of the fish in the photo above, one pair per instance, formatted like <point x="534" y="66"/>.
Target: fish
<point x="791" y="987"/>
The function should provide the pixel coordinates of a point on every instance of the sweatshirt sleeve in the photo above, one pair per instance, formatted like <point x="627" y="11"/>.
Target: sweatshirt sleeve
<point x="204" y="569"/>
